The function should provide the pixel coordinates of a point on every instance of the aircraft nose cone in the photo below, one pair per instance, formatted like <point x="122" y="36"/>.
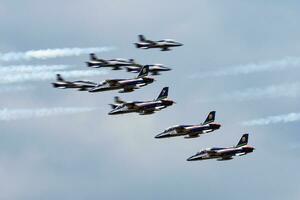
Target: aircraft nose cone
<point x="157" y="136"/>
<point x="192" y="158"/>
<point x="113" y="112"/>
<point x="161" y="135"/>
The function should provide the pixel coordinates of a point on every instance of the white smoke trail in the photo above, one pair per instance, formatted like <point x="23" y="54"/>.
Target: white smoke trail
<point x="50" y="53"/>
<point x="47" y="75"/>
<point x="31" y="68"/>
<point x="274" y="91"/>
<point x="288" y="62"/>
<point x="15" y="114"/>
<point x="291" y="117"/>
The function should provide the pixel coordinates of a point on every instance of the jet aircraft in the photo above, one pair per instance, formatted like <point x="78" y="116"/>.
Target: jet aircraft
<point x="80" y="85"/>
<point x="242" y="148"/>
<point x="126" y="85"/>
<point x="192" y="131"/>
<point x="142" y="107"/>
<point x="153" y="69"/>
<point x="163" y="45"/>
<point x="115" y="64"/>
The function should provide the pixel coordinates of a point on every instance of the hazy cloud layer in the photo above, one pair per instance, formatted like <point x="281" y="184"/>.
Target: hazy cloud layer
<point x="92" y="155"/>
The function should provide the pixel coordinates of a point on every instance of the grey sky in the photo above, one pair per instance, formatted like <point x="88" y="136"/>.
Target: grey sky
<point x="92" y="156"/>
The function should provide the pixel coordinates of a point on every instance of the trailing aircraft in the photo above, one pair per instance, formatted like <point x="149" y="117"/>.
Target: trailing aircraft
<point x="221" y="153"/>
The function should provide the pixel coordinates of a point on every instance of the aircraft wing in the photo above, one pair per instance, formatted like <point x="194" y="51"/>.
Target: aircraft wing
<point x="180" y="129"/>
<point x="128" y="88"/>
<point x="151" y="42"/>
<point x="226" y="153"/>
<point x="130" y="105"/>
<point x="146" y="108"/>
<point x="193" y="134"/>
<point x="165" y="49"/>
<point x="113" y="82"/>
<point x="224" y="158"/>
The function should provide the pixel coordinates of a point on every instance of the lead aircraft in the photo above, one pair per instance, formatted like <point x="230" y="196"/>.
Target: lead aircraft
<point x="163" y="45"/>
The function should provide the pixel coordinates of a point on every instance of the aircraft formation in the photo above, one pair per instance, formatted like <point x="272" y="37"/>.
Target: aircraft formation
<point x="147" y="107"/>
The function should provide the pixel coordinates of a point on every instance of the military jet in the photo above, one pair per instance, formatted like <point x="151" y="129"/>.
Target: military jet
<point x="163" y="45"/>
<point x="80" y="85"/>
<point x="191" y="131"/>
<point x="142" y="107"/>
<point x="153" y="69"/>
<point x="242" y="148"/>
<point x="126" y="85"/>
<point x="115" y="64"/>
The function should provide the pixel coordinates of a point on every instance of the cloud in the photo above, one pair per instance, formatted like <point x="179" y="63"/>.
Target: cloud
<point x="17" y="114"/>
<point x="277" y="65"/>
<point x="291" y="117"/>
<point x="50" y="53"/>
<point x="47" y="75"/>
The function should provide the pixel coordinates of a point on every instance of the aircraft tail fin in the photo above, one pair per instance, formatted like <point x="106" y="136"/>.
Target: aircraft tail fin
<point x="113" y="106"/>
<point x="163" y="94"/>
<point x="93" y="56"/>
<point x="118" y="100"/>
<point x="137" y="45"/>
<point x="90" y="64"/>
<point x="59" y="77"/>
<point x="143" y="72"/>
<point x="210" y="117"/>
<point x="243" y="141"/>
<point x="142" y="38"/>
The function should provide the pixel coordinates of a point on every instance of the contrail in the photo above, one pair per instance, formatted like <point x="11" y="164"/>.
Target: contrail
<point x="291" y="117"/>
<point x="15" y="114"/>
<point x="288" y="62"/>
<point x="274" y="91"/>
<point x="50" y="53"/>
<point x="47" y="75"/>
<point x="31" y="68"/>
